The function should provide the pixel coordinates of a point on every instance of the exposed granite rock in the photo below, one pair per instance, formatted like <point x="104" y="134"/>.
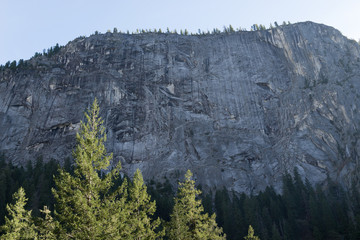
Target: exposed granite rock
<point x="237" y="109"/>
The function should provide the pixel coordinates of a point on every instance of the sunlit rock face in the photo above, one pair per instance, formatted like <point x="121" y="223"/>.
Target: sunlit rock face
<point x="238" y="109"/>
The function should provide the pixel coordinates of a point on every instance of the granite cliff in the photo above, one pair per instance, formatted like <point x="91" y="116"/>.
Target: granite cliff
<point x="238" y="109"/>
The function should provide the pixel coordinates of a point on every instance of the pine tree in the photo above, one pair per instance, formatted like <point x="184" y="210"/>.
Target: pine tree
<point x="19" y="225"/>
<point x="188" y="220"/>
<point x="250" y="235"/>
<point x="178" y="226"/>
<point x="47" y="226"/>
<point x="84" y="201"/>
<point x="13" y="65"/>
<point x="231" y="29"/>
<point x="141" y="211"/>
<point x="275" y="233"/>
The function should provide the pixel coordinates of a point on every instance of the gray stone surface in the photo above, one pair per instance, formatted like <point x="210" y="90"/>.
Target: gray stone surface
<point x="237" y="109"/>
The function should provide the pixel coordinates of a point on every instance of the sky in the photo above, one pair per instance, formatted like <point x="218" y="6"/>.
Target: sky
<point x="29" y="26"/>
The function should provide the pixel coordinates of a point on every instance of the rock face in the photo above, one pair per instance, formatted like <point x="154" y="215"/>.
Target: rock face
<point x="238" y="109"/>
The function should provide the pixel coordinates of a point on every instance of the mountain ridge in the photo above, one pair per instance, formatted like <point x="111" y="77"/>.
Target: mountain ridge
<point x="238" y="109"/>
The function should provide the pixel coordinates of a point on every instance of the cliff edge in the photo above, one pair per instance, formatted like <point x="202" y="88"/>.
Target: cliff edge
<point x="238" y="109"/>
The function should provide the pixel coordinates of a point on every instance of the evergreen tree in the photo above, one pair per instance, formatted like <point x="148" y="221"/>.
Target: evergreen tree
<point x="231" y="29"/>
<point x="84" y="201"/>
<point x="7" y="64"/>
<point x="141" y="211"/>
<point x="21" y="63"/>
<point x="13" y="65"/>
<point x="224" y="211"/>
<point x="262" y="27"/>
<point x="188" y="220"/>
<point x="19" y="225"/>
<point x="47" y="226"/>
<point x="162" y="194"/>
<point x="275" y="233"/>
<point x="178" y="228"/>
<point x="250" y="235"/>
<point x="116" y="211"/>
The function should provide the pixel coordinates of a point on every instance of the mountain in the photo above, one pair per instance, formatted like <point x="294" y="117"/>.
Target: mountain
<point x="239" y="109"/>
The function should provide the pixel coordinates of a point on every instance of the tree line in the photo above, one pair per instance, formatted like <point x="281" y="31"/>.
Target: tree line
<point x="21" y="64"/>
<point x="302" y="211"/>
<point x="225" y="29"/>
<point x="89" y="205"/>
<point x="90" y="200"/>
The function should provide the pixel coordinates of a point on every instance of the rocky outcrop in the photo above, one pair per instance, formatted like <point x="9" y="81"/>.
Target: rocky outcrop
<point x="238" y="109"/>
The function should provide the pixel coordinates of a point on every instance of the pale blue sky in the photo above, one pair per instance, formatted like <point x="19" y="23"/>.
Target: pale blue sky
<point x="29" y="26"/>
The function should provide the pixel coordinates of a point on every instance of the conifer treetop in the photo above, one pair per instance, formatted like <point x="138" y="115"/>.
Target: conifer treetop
<point x="250" y="235"/>
<point x="19" y="224"/>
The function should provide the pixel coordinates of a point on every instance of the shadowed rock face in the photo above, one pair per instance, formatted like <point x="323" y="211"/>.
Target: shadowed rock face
<point x="237" y="109"/>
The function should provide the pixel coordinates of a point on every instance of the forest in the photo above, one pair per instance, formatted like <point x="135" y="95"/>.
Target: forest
<point x="90" y="200"/>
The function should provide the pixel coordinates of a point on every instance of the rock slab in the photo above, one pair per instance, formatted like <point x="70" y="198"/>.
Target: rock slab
<point x="238" y="109"/>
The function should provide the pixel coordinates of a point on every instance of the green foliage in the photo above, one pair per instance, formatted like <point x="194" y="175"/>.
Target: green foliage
<point x="79" y="197"/>
<point x="226" y="29"/>
<point x="262" y="27"/>
<point x="162" y="194"/>
<point x="188" y="220"/>
<point x="141" y="210"/>
<point x="250" y="235"/>
<point x="231" y="29"/>
<point x="52" y="51"/>
<point x="301" y="212"/>
<point x="255" y="27"/>
<point x="21" y="64"/>
<point x="37" y="183"/>
<point x="216" y="31"/>
<point x="19" y="224"/>
<point x="47" y="226"/>
<point x="13" y="65"/>
<point x="275" y="233"/>
<point x="93" y="202"/>
<point x="37" y="54"/>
